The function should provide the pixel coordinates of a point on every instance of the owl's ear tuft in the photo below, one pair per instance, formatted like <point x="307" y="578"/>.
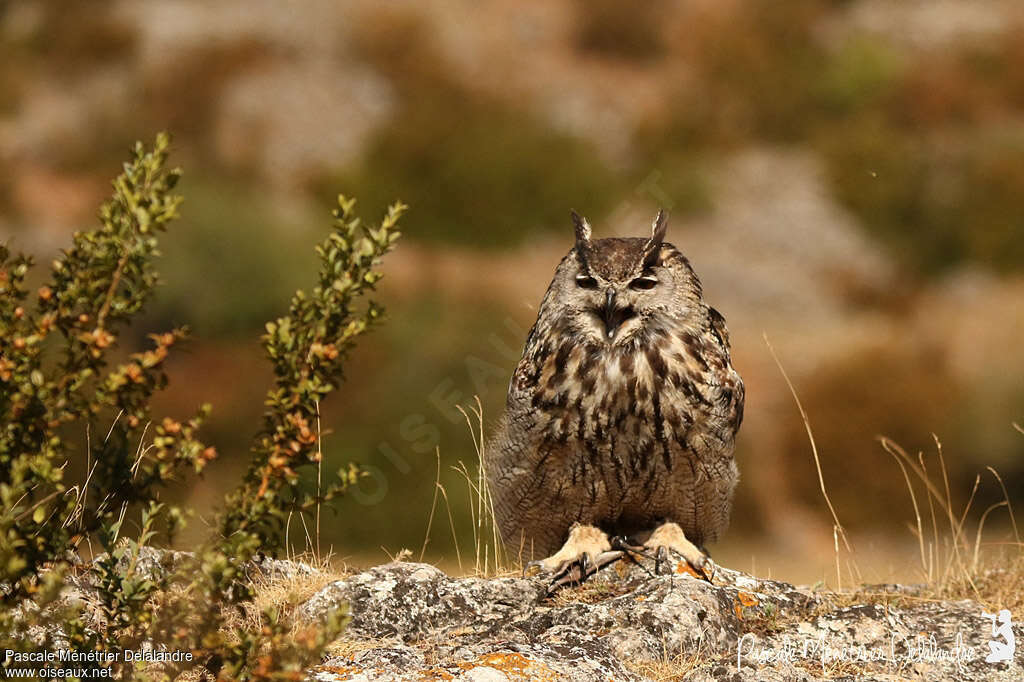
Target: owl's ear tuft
<point x="582" y="229"/>
<point x="653" y="245"/>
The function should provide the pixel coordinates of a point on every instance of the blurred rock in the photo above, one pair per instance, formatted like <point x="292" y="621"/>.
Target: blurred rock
<point x="933" y="23"/>
<point x="47" y="126"/>
<point x="292" y="120"/>
<point x="171" y="27"/>
<point x="58" y="203"/>
<point x="777" y="241"/>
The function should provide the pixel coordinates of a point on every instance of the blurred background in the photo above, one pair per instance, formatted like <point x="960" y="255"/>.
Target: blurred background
<point x="847" y="177"/>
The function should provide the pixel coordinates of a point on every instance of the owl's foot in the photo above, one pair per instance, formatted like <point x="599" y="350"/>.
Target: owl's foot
<point x="669" y="536"/>
<point x="586" y="552"/>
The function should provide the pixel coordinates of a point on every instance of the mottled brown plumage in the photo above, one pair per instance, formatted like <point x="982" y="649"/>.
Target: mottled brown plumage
<point x="622" y="413"/>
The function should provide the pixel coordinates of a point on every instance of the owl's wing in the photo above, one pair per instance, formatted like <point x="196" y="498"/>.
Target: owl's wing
<point x="739" y="398"/>
<point x="718" y="327"/>
<point x="736" y="391"/>
<point x="523" y="383"/>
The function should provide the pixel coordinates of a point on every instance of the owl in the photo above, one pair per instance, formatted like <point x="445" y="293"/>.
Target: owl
<point x="621" y="416"/>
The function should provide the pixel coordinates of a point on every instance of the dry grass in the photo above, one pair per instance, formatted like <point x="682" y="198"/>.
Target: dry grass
<point x="489" y="550"/>
<point x="592" y="591"/>
<point x="489" y="556"/>
<point x="838" y="532"/>
<point x="670" y="668"/>
<point x="288" y="593"/>
<point x="283" y="594"/>
<point x="833" y="670"/>
<point x="956" y="563"/>
<point x="348" y="648"/>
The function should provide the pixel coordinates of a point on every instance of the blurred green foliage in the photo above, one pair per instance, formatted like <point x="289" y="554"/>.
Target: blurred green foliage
<point x="923" y="146"/>
<point x="439" y="354"/>
<point x="930" y="157"/>
<point x="476" y="170"/>
<point x="480" y="174"/>
<point x="233" y="260"/>
<point x="940" y="199"/>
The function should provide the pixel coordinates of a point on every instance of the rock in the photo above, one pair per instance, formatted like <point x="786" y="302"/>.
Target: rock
<point x="411" y="621"/>
<point x="153" y="563"/>
<point x="279" y="569"/>
<point x="81" y="586"/>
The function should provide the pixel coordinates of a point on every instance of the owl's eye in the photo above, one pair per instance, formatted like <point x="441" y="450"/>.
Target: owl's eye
<point x="586" y="282"/>
<point x="643" y="283"/>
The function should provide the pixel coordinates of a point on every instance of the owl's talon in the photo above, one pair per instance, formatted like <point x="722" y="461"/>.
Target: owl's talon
<point x="621" y="542"/>
<point x="702" y="568"/>
<point x="661" y="561"/>
<point x="669" y="536"/>
<point x="586" y="551"/>
<point x="576" y="571"/>
<point x="571" y="573"/>
<point x="536" y="563"/>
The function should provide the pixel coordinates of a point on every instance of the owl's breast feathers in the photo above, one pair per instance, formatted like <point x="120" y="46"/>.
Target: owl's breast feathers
<point x="673" y="393"/>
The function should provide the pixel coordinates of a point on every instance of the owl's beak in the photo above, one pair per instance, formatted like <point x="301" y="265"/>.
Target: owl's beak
<point x="613" y="316"/>
<point x="609" y="303"/>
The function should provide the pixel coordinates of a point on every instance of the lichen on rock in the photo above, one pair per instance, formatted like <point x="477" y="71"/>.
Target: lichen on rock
<point x="411" y="621"/>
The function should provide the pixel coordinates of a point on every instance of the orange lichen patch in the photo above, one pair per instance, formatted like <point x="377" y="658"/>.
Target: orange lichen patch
<point x="515" y="665"/>
<point x="343" y="672"/>
<point x="746" y="599"/>
<point x="684" y="567"/>
<point x="743" y="600"/>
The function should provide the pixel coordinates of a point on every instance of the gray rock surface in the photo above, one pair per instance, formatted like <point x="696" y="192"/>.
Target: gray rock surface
<point x="411" y="621"/>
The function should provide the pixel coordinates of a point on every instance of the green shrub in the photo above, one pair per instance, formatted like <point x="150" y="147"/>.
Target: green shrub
<point x="55" y="371"/>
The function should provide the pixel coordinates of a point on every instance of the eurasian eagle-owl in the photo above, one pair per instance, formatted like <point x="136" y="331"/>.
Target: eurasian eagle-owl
<point x="621" y="415"/>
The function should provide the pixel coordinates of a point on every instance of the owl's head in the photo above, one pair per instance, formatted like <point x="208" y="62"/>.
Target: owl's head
<point x="618" y="291"/>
